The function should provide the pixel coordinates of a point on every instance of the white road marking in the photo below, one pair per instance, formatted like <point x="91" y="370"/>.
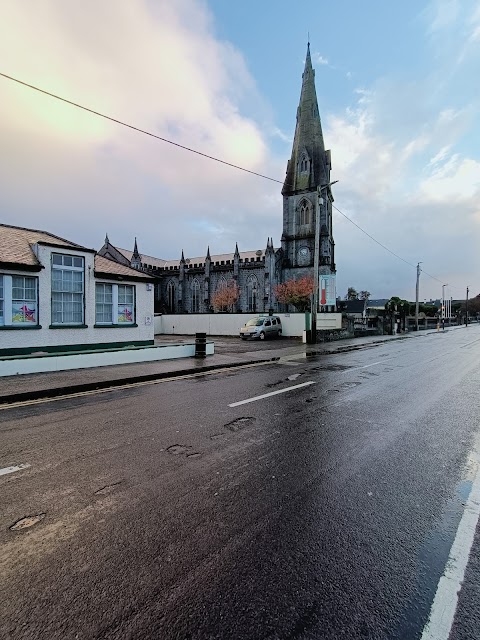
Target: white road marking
<point x="365" y="366"/>
<point x="272" y="393"/>
<point x="19" y="467"/>
<point x="445" y="602"/>
<point x="133" y="385"/>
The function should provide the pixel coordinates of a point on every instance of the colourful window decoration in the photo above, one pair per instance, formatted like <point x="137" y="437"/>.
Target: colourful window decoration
<point x="18" y="301"/>
<point x="24" y="300"/>
<point x="125" y="307"/>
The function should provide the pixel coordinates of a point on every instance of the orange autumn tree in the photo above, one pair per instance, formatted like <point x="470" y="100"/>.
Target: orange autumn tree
<point x="226" y="297"/>
<point x="295" y="292"/>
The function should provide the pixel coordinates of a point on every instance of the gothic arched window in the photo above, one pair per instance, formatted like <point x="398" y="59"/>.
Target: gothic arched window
<point x="304" y="213"/>
<point x="195" y="296"/>
<point x="252" y="293"/>
<point x="221" y="284"/>
<point x="304" y="164"/>
<point x="171" y="296"/>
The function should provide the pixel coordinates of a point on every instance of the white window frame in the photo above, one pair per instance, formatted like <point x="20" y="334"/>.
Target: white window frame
<point x="81" y="294"/>
<point x="7" y="300"/>
<point x="114" y="321"/>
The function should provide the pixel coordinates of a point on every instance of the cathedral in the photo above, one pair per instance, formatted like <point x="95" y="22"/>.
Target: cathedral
<point x="188" y="284"/>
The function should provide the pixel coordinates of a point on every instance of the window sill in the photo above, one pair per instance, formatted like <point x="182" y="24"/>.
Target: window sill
<point x="15" y="327"/>
<point x="115" y="326"/>
<point x="68" y="326"/>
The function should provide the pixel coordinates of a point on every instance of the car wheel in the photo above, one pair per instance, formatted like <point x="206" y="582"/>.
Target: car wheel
<point x="279" y="334"/>
<point x="262" y="335"/>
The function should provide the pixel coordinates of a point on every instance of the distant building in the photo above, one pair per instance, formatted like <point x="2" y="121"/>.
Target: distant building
<point x="188" y="284"/>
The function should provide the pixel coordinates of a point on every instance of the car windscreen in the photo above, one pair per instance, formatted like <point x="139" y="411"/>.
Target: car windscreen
<point x="254" y="322"/>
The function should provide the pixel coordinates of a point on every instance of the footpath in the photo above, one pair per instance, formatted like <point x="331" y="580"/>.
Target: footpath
<point x="231" y="353"/>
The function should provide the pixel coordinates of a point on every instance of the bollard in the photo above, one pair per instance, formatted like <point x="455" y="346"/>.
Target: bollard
<point x="200" y="345"/>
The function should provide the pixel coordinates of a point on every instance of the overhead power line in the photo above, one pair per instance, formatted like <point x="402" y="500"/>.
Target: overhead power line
<point x="131" y="126"/>
<point x="372" y="238"/>
<point x="199" y="153"/>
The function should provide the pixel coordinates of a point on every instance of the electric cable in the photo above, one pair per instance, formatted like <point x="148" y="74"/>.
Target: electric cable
<point x="200" y="153"/>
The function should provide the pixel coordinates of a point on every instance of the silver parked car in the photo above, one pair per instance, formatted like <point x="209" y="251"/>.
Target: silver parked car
<point x="262" y="327"/>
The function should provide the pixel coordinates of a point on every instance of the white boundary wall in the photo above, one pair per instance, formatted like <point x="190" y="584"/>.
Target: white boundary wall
<point x="17" y="366"/>
<point x="229" y="324"/>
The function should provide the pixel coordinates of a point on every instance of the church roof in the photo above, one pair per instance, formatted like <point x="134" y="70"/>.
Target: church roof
<point x="154" y="262"/>
<point x="16" y="246"/>
<point x="200" y="260"/>
<point x="308" y="145"/>
<point x="107" y="268"/>
<point x="221" y="257"/>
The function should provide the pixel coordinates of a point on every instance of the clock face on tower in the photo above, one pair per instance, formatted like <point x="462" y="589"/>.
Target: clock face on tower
<point x="303" y="256"/>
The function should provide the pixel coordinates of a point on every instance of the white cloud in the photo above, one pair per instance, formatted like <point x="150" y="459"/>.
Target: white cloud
<point x="317" y="58"/>
<point x="157" y="66"/>
<point x="401" y="180"/>
<point x="455" y="180"/>
<point x="442" y="14"/>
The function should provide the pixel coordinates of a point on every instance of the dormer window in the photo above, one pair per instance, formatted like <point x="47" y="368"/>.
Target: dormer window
<point x="304" y="165"/>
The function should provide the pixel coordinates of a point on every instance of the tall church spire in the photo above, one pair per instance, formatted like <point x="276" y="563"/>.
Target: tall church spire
<point x="307" y="167"/>
<point x="136" y="260"/>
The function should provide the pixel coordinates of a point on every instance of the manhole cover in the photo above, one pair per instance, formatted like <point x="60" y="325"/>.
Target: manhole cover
<point x="28" y="521"/>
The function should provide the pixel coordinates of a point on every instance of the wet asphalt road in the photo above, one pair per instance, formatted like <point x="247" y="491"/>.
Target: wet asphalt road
<point x="324" y="512"/>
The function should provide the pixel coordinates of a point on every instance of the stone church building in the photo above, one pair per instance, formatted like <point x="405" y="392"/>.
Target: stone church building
<point x="188" y="284"/>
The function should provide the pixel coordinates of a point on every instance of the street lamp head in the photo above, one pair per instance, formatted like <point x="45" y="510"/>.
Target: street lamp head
<point x="324" y="186"/>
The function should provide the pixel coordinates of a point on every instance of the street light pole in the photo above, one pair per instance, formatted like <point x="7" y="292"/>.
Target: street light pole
<point x="466" y="310"/>
<point x="316" y="260"/>
<point x="416" y="295"/>
<point x="443" y="305"/>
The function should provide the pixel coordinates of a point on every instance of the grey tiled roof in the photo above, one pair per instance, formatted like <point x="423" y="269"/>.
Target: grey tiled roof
<point x="16" y="244"/>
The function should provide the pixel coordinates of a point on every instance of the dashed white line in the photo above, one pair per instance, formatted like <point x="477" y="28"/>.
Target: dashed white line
<point x="365" y="366"/>
<point x="272" y="393"/>
<point x="445" y="602"/>
<point x="19" y="467"/>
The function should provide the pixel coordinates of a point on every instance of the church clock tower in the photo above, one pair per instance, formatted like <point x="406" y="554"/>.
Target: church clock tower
<point x="306" y="193"/>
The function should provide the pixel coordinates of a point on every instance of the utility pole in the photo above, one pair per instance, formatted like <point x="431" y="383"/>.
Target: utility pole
<point x="316" y="258"/>
<point x="443" y="306"/>
<point x="416" y="295"/>
<point x="466" y="310"/>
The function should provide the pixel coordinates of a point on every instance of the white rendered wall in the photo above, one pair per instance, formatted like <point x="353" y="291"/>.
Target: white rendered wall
<point x="229" y="324"/>
<point x="18" y="366"/>
<point x="27" y="338"/>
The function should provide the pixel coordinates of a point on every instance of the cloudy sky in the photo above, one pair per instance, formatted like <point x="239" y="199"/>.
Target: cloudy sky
<point x="397" y="86"/>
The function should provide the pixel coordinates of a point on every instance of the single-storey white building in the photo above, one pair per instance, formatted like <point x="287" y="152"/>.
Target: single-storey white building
<point x="56" y="295"/>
